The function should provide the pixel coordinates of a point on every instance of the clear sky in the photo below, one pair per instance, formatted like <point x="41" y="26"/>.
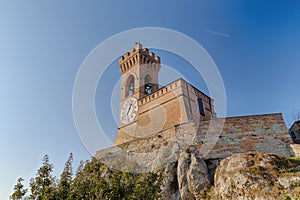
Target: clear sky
<point x="255" y="44"/>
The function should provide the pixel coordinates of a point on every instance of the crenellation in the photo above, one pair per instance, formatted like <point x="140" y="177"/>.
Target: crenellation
<point x="166" y="89"/>
<point x="146" y="50"/>
<point x="144" y="53"/>
<point x="157" y="58"/>
<point x="151" y="54"/>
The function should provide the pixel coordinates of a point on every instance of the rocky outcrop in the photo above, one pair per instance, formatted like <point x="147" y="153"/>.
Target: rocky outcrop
<point x="257" y="176"/>
<point x="169" y="187"/>
<point x="192" y="175"/>
<point x="244" y="176"/>
<point x="187" y="178"/>
<point x="251" y="175"/>
<point x="188" y="154"/>
<point x="296" y="149"/>
<point x="259" y="133"/>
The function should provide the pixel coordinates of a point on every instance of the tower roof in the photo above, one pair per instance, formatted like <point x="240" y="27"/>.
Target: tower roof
<point x="137" y="56"/>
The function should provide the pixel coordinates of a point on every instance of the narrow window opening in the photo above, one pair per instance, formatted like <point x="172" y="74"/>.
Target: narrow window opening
<point x="201" y="108"/>
<point x="130" y="85"/>
<point x="148" y="85"/>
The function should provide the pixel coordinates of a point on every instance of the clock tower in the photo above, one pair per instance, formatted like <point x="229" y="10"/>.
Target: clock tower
<point x="139" y="69"/>
<point x="146" y="109"/>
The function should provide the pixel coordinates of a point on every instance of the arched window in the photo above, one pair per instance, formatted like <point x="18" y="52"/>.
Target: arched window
<point x="129" y="85"/>
<point x="148" y="84"/>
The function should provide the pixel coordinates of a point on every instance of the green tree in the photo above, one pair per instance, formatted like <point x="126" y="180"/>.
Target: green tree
<point x="64" y="185"/>
<point x="97" y="181"/>
<point x="43" y="186"/>
<point x="147" y="187"/>
<point x="80" y="167"/>
<point x="19" y="190"/>
<point x="94" y="180"/>
<point x="89" y="182"/>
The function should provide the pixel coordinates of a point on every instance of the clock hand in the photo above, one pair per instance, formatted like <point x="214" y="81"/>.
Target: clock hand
<point x="129" y="109"/>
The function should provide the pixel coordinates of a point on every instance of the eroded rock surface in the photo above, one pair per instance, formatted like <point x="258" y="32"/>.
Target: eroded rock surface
<point x="257" y="176"/>
<point x="192" y="175"/>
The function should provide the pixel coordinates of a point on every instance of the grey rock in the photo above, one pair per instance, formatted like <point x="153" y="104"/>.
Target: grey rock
<point x="192" y="173"/>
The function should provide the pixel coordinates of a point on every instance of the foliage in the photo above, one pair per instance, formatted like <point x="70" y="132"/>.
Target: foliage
<point x="19" y="190"/>
<point x="207" y="194"/>
<point x="43" y="185"/>
<point x="97" y="181"/>
<point x="284" y="196"/>
<point x="64" y="186"/>
<point x="93" y="181"/>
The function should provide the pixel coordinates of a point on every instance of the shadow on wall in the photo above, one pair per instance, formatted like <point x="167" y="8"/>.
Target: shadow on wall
<point x="294" y="132"/>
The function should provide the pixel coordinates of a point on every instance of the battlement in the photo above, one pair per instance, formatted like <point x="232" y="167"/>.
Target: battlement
<point x="138" y="56"/>
<point x="162" y="91"/>
<point x="171" y="87"/>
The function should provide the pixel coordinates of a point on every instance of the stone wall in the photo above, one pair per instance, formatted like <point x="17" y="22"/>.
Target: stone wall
<point x="295" y="132"/>
<point x="259" y="133"/>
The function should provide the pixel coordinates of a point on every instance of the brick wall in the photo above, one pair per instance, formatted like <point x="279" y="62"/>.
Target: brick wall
<point x="172" y="105"/>
<point x="260" y="133"/>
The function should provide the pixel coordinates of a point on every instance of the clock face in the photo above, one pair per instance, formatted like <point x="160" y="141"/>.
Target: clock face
<point x="129" y="110"/>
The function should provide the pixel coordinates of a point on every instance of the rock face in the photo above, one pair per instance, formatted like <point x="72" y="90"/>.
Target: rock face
<point x="169" y="187"/>
<point x="257" y="176"/>
<point x="192" y="175"/>
<point x="244" y="176"/>
<point x="296" y="149"/>
<point x="187" y="178"/>
<point x="188" y="173"/>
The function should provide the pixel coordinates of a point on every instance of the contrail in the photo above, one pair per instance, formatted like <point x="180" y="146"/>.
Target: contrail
<point x="214" y="32"/>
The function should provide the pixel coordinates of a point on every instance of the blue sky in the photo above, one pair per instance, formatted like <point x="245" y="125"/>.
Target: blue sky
<point x="255" y="44"/>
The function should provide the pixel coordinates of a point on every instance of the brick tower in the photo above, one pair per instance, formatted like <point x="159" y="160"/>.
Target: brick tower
<point x="146" y="109"/>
